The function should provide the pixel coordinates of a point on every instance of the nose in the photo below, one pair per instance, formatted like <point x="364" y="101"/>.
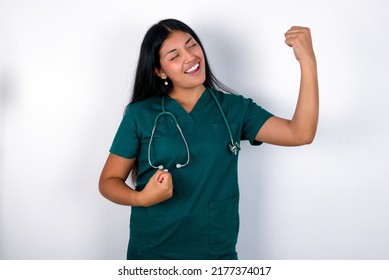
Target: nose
<point x="188" y="56"/>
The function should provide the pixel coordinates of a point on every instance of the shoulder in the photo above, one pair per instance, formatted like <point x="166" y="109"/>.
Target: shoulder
<point x="143" y="106"/>
<point x="231" y="99"/>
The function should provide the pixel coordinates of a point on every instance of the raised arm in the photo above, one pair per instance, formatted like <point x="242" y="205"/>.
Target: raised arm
<point x="112" y="184"/>
<point x="301" y="129"/>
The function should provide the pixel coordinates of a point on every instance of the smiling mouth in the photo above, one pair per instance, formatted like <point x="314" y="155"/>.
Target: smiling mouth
<point x="193" y="69"/>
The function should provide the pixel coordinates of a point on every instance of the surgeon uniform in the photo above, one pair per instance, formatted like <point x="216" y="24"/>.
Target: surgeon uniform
<point x="201" y="220"/>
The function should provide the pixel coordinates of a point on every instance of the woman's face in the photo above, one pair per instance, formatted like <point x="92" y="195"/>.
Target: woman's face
<point x="182" y="61"/>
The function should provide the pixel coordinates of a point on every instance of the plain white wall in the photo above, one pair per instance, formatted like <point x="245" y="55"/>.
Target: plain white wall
<point x="65" y="77"/>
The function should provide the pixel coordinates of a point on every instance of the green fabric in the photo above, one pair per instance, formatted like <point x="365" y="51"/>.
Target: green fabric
<point x="201" y="220"/>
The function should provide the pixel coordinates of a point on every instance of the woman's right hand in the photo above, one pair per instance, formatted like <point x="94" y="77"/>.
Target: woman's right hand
<point x="158" y="189"/>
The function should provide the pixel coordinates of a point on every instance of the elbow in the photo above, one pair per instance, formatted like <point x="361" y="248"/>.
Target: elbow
<point x="305" y="135"/>
<point x="102" y="187"/>
<point x="308" y="141"/>
<point x="306" y="138"/>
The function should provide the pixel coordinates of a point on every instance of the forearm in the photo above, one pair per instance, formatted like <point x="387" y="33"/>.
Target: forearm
<point x="305" y="119"/>
<point x="158" y="189"/>
<point x="117" y="191"/>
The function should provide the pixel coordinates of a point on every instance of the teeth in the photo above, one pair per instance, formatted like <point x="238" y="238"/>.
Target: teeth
<point x="192" y="68"/>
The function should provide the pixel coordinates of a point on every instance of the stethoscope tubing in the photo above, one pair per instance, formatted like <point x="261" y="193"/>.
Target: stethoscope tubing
<point x="224" y="117"/>
<point x="233" y="146"/>
<point x="156" y="123"/>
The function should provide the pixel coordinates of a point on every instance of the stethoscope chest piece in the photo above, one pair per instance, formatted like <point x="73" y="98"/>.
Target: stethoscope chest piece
<point x="234" y="148"/>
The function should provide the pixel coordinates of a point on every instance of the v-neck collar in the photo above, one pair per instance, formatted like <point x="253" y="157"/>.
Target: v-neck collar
<point x="175" y="107"/>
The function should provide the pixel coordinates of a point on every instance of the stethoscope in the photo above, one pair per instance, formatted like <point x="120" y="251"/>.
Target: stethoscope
<point x="233" y="146"/>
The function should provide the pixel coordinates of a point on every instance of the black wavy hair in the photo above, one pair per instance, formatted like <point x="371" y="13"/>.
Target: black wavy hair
<point x="147" y="83"/>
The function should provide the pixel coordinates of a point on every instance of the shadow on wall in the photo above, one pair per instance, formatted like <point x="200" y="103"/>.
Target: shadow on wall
<point x="5" y="95"/>
<point x="226" y="56"/>
<point x="101" y="120"/>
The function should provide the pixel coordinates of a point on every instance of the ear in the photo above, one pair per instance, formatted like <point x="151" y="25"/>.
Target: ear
<point x="160" y="73"/>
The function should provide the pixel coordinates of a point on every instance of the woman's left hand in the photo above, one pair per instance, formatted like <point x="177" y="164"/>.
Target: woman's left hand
<point x="299" y="38"/>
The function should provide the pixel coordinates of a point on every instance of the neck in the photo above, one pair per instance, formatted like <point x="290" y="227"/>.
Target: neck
<point x="187" y="98"/>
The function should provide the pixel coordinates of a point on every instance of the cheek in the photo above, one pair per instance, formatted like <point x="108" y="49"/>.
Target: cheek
<point x="171" y="69"/>
<point x="200" y="54"/>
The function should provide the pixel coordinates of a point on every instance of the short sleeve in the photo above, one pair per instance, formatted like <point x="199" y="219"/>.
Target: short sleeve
<point x="254" y="118"/>
<point x="126" y="142"/>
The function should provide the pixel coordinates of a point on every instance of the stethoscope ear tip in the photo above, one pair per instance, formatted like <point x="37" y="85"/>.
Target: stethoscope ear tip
<point x="160" y="167"/>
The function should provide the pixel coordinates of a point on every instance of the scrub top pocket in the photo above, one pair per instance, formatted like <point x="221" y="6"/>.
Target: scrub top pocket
<point x="147" y="222"/>
<point x="224" y="225"/>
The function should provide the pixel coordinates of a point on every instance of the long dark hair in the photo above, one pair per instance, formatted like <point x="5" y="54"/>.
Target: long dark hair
<point x="147" y="83"/>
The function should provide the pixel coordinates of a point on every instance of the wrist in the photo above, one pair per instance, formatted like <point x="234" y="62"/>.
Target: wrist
<point x="139" y="199"/>
<point x="308" y="62"/>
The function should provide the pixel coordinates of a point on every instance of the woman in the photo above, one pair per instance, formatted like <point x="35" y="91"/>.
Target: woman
<point x="180" y="138"/>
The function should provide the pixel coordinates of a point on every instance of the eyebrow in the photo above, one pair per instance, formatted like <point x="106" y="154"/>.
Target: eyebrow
<point x="186" y="42"/>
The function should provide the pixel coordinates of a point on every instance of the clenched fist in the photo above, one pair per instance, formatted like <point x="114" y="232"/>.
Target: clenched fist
<point x="299" y="38"/>
<point x="158" y="189"/>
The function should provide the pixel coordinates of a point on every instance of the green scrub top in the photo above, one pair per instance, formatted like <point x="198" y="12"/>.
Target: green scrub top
<point x="201" y="220"/>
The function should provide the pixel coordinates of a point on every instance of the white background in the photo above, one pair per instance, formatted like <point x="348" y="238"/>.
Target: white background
<point x="65" y="76"/>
